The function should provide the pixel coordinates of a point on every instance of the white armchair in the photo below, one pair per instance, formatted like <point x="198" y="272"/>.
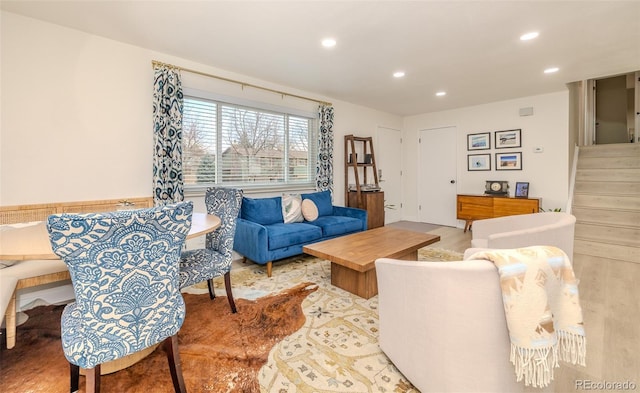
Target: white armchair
<point x="537" y="229"/>
<point x="443" y="325"/>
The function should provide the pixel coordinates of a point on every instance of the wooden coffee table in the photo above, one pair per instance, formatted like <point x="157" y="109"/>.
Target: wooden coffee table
<point x="353" y="256"/>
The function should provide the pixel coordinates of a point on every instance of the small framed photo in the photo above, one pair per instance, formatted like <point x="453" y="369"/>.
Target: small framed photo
<point x="522" y="190"/>
<point x="507" y="139"/>
<point x="481" y="141"/>
<point x="509" y="161"/>
<point x="479" y="162"/>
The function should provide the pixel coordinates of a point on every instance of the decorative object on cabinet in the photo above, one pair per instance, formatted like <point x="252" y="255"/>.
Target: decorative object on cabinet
<point x="479" y="162"/>
<point x="509" y="161"/>
<point x="507" y="139"/>
<point x="365" y="193"/>
<point x="480" y="141"/>
<point x="496" y="187"/>
<point x="522" y="190"/>
<point x="478" y="207"/>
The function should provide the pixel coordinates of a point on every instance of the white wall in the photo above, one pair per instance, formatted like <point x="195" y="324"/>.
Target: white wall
<point x="76" y="114"/>
<point x="76" y="119"/>
<point x="548" y="128"/>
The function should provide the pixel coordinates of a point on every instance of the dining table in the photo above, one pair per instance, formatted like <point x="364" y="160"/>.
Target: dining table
<point x="31" y="241"/>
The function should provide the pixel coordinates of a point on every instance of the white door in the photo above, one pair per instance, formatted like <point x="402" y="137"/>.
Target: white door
<point x="389" y="165"/>
<point x="437" y="187"/>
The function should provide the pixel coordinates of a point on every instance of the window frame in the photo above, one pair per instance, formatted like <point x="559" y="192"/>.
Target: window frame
<point x="218" y="99"/>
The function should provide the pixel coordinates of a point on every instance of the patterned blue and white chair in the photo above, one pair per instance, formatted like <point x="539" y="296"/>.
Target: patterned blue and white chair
<point x="215" y="259"/>
<point x="124" y="270"/>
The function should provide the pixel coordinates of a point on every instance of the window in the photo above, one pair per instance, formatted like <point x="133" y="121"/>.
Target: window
<point x="229" y="144"/>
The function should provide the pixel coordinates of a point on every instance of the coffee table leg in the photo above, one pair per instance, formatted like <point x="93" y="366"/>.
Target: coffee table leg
<point x="363" y="284"/>
<point x="410" y="256"/>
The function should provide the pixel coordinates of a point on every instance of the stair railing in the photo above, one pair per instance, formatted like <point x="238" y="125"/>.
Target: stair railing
<point x="572" y="178"/>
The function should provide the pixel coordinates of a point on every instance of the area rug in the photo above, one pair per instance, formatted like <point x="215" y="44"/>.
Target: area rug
<point x="435" y="254"/>
<point x="336" y="350"/>
<point x="220" y="351"/>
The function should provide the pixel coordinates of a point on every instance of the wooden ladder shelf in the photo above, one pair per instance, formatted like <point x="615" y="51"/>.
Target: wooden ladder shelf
<point x="366" y="195"/>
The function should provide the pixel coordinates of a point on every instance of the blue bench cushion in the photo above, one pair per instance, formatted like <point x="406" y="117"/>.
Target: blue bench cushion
<point x="322" y="201"/>
<point x="285" y="235"/>
<point x="264" y="211"/>
<point x="337" y="225"/>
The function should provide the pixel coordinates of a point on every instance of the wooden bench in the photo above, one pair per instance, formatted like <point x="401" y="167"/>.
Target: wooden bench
<point x="31" y="270"/>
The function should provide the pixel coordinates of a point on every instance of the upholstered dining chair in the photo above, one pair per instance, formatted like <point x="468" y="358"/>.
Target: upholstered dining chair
<point x="124" y="271"/>
<point x="215" y="259"/>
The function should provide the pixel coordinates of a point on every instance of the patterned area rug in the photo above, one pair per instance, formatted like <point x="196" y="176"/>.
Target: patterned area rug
<point x="336" y="350"/>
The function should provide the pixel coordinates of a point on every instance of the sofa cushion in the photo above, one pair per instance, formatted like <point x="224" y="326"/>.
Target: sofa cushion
<point x="285" y="235"/>
<point x="309" y="210"/>
<point x="337" y="225"/>
<point x="292" y="208"/>
<point x="264" y="211"/>
<point x="322" y="200"/>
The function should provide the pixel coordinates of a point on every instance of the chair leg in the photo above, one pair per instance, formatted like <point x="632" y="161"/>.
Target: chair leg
<point x="212" y="293"/>
<point x="269" y="268"/>
<point x="92" y="379"/>
<point x="173" y="355"/>
<point x="227" y="286"/>
<point x="75" y="377"/>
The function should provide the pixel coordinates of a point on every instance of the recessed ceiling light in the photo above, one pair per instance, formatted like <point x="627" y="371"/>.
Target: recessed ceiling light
<point x="328" y="42"/>
<point x="551" y="70"/>
<point x="441" y="93"/>
<point x="398" y="74"/>
<point x="529" y="36"/>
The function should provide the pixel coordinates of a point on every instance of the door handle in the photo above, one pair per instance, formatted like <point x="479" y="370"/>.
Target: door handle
<point x="452" y="182"/>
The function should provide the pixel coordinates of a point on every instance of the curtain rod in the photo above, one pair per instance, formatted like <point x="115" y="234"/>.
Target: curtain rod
<point x="243" y="84"/>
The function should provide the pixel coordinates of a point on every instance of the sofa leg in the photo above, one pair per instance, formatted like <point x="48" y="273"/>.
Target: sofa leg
<point x="269" y="268"/>
<point x="244" y="259"/>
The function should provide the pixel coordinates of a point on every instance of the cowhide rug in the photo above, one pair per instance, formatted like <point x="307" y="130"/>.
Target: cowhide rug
<point x="220" y="351"/>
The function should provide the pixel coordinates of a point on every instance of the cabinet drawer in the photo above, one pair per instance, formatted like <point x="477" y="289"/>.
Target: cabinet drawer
<point x="509" y="206"/>
<point x="474" y="207"/>
<point x="475" y="200"/>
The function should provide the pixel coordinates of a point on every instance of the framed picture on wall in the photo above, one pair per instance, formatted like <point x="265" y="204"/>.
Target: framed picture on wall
<point x="479" y="162"/>
<point x="509" y="161"/>
<point x="480" y="141"/>
<point x="507" y="139"/>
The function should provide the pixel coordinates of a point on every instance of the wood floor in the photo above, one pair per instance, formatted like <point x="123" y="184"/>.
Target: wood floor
<point x="610" y="300"/>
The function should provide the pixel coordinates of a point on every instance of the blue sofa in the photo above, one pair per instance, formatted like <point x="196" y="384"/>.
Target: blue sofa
<point x="263" y="237"/>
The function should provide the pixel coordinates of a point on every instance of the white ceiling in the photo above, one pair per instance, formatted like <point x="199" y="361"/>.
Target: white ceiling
<point x="471" y="49"/>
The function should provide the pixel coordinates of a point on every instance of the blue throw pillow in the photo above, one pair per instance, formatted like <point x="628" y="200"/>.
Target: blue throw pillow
<point x="264" y="211"/>
<point x="322" y="200"/>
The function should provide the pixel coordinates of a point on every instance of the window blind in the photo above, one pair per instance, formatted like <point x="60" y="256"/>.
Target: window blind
<point x="238" y="145"/>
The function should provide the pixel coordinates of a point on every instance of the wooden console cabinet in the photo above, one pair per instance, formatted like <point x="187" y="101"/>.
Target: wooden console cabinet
<point x="373" y="203"/>
<point x="478" y="207"/>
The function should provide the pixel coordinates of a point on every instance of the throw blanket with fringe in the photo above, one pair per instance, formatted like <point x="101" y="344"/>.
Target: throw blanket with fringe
<point x="544" y="317"/>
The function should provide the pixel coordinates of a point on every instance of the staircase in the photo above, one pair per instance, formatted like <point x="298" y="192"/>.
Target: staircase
<point x="606" y="202"/>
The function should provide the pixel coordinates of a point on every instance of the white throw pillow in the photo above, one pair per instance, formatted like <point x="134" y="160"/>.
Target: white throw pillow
<point x="309" y="210"/>
<point x="292" y="208"/>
